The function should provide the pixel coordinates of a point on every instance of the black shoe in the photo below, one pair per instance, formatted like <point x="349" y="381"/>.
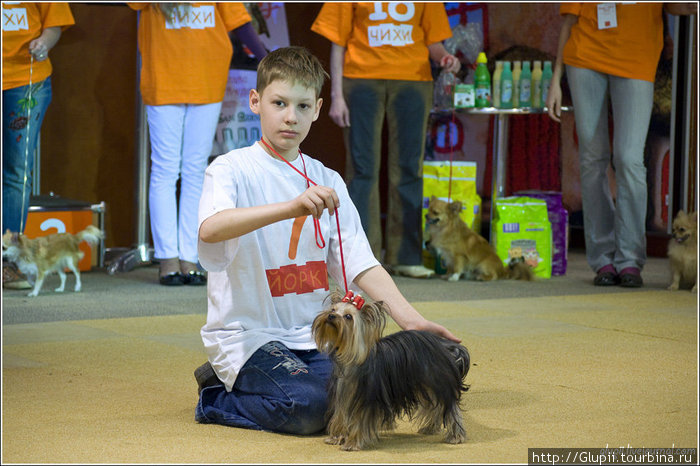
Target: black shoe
<point x="206" y="377"/>
<point x="631" y="278"/>
<point x="195" y="278"/>
<point x="172" y="279"/>
<point x="606" y="279"/>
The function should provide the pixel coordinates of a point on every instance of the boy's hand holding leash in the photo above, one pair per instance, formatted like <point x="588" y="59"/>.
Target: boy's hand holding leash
<point x="314" y="200"/>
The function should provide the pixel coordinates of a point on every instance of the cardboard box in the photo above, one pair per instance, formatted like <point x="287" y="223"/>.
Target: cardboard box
<point x="464" y="96"/>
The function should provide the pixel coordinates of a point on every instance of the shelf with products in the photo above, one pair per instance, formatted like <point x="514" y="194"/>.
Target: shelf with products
<point x="500" y="138"/>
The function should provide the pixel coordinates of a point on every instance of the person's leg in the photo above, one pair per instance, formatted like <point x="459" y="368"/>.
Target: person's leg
<point x="198" y="138"/>
<point x="408" y="109"/>
<point x="17" y="151"/>
<point x="632" y="102"/>
<point x="366" y="102"/>
<point x="589" y="92"/>
<point x="277" y="390"/>
<point x="166" y="125"/>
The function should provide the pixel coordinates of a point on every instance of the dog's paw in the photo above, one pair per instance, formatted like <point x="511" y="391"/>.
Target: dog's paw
<point x="429" y="430"/>
<point x="673" y="287"/>
<point x="350" y="447"/>
<point x="333" y="440"/>
<point x="454" y="277"/>
<point x="32" y="294"/>
<point x="59" y="289"/>
<point x="455" y="439"/>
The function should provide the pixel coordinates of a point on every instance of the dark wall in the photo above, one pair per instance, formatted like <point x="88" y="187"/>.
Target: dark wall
<point x="88" y="136"/>
<point x="325" y="140"/>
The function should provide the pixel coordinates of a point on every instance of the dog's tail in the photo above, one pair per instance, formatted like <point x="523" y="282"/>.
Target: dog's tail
<point x="462" y="360"/>
<point x="460" y="354"/>
<point x="519" y="270"/>
<point x="91" y="234"/>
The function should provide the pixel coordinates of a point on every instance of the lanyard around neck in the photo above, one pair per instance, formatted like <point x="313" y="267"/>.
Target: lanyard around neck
<point x="317" y="227"/>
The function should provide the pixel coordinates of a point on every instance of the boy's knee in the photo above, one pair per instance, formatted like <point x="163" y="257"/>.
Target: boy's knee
<point x="308" y="413"/>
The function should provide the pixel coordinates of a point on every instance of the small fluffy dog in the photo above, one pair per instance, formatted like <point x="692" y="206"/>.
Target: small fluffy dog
<point x="39" y="257"/>
<point x="683" y="251"/>
<point x="465" y="250"/>
<point x="375" y="379"/>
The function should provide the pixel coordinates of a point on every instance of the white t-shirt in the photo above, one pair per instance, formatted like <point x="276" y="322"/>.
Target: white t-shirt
<point x="270" y="284"/>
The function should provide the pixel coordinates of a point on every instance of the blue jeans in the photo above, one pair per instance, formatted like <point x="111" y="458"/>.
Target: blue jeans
<point x="406" y="106"/>
<point x="278" y="390"/>
<point x="17" y="153"/>
<point x="615" y="232"/>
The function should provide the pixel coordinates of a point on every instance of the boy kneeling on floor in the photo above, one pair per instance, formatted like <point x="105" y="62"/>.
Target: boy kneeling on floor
<point x="268" y="262"/>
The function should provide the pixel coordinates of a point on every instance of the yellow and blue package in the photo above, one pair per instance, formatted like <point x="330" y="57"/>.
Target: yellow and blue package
<point x="460" y="185"/>
<point x="436" y="182"/>
<point x="521" y="230"/>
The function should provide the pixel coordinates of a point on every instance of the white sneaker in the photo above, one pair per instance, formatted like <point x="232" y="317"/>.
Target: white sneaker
<point x="414" y="271"/>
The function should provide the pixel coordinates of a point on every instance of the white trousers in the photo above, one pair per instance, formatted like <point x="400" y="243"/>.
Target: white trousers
<point x="181" y="140"/>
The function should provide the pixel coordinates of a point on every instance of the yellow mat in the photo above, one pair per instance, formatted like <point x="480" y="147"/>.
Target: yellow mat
<point x="576" y="371"/>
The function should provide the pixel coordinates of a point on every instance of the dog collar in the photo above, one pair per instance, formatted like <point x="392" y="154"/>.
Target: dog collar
<point x="355" y="300"/>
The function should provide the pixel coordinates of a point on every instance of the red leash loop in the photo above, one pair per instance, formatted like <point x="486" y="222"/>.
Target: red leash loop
<point x="317" y="226"/>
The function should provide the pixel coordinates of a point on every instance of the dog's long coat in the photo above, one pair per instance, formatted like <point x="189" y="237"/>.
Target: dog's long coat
<point x="377" y="379"/>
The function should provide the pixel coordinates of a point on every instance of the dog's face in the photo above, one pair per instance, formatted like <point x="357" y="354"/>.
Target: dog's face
<point x="685" y="228"/>
<point x="440" y="212"/>
<point x="11" y="243"/>
<point x="346" y="332"/>
<point x="8" y="239"/>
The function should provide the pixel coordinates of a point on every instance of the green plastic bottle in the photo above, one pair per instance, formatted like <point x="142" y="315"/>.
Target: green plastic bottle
<point x="536" y="88"/>
<point x="525" y="84"/>
<point x="482" y="82"/>
<point x="516" y="69"/>
<point x="506" y="86"/>
<point x="546" y="80"/>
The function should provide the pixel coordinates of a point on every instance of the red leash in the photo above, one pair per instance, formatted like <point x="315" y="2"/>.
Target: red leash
<point x="317" y="226"/>
<point x="448" y="135"/>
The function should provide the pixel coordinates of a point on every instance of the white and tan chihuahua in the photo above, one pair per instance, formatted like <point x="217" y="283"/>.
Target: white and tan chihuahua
<point x="39" y="257"/>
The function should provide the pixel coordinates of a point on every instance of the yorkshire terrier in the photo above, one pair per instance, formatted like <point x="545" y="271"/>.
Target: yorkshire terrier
<point x="378" y="379"/>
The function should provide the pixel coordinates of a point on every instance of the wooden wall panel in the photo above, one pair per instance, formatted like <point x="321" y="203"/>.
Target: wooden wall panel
<point x="88" y="147"/>
<point x="325" y="140"/>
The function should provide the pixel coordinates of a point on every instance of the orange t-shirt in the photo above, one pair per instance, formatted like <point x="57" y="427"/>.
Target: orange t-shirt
<point x="384" y="40"/>
<point x="21" y="24"/>
<point x="187" y="61"/>
<point x="630" y="50"/>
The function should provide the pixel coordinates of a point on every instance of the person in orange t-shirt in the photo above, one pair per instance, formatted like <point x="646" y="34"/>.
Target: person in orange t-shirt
<point x="185" y="53"/>
<point x="29" y="32"/>
<point x="611" y="51"/>
<point x="380" y="67"/>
